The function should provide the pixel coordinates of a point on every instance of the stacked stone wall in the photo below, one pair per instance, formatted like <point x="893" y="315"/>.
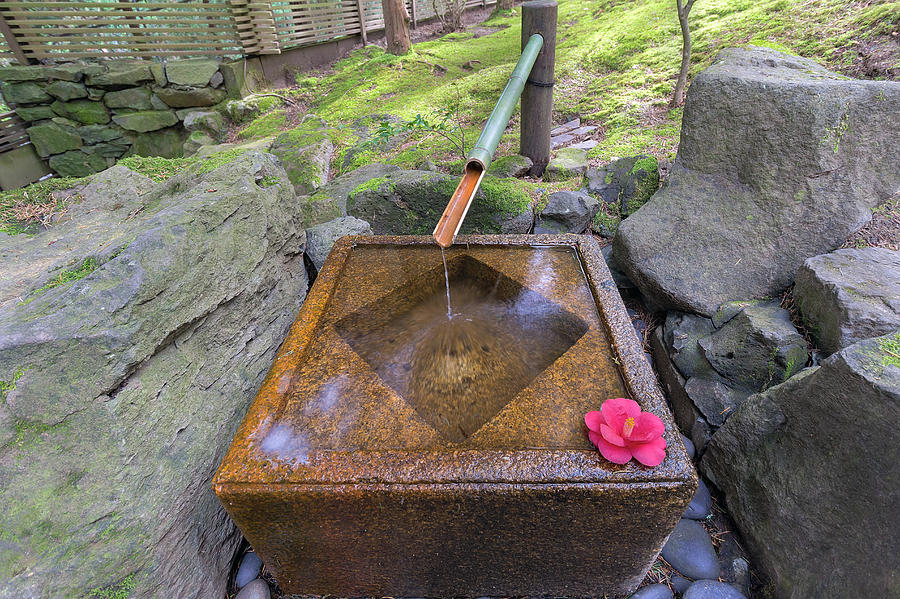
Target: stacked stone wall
<point x="82" y="118"/>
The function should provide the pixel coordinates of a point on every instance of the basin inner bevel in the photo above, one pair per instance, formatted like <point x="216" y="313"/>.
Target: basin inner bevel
<point x="336" y="401"/>
<point x="458" y="373"/>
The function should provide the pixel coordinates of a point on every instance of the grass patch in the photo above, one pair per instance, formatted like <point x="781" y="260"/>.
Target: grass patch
<point x="24" y="210"/>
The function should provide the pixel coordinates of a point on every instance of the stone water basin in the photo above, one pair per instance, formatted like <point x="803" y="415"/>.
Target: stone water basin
<point x="351" y="477"/>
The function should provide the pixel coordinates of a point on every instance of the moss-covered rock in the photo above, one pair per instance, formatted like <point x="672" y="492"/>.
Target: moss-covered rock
<point x="93" y="134"/>
<point x="411" y="202"/>
<point x="87" y="112"/>
<point x="809" y="470"/>
<point x="76" y="163"/>
<point x="129" y="382"/>
<point x="209" y="122"/>
<point x="135" y="98"/>
<point x="52" y="138"/>
<point x="305" y="152"/>
<point x="568" y="163"/>
<point x="24" y="93"/>
<point x="119" y="74"/>
<point x="66" y="90"/>
<point x="190" y="96"/>
<point x="167" y="143"/>
<point x="627" y="182"/>
<point x="510" y="166"/>
<point x="195" y="141"/>
<point x="35" y="113"/>
<point x="146" y="120"/>
<point x="193" y="73"/>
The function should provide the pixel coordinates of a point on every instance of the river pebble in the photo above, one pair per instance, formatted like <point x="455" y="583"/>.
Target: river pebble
<point x="248" y="570"/>
<point x="255" y="589"/>
<point x="653" y="591"/>
<point x="712" y="589"/>
<point x="700" y="507"/>
<point x="690" y="551"/>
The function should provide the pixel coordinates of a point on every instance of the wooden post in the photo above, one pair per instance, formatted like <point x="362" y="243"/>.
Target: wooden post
<point x="12" y="42"/>
<point x="538" y="16"/>
<point x="362" y="20"/>
<point x="415" y="21"/>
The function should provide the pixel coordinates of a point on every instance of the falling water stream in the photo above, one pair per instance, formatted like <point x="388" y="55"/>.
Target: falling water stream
<point x="447" y="281"/>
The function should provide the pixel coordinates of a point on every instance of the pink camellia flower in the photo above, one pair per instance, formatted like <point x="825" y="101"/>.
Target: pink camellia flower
<point x="621" y="431"/>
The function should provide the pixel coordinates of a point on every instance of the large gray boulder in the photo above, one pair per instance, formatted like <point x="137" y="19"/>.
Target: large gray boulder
<point x="810" y="471"/>
<point x="758" y="348"/>
<point x="849" y="295"/>
<point x="132" y="339"/>
<point x="779" y="160"/>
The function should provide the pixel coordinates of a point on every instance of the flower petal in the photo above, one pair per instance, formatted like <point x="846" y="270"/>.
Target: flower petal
<point x="616" y="455"/>
<point x="593" y="420"/>
<point x="649" y="454"/>
<point x="611" y="436"/>
<point x="647" y="426"/>
<point x="594" y="437"/>
<point x="615" y="411"/>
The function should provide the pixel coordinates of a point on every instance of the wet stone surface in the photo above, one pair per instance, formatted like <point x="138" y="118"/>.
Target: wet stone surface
<point x="334" y="448"/>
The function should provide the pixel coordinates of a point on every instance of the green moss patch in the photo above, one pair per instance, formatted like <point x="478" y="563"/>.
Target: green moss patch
<point x="87" y="266"/>
<point x="890" y="350"/>
<point x="155" y="167"/>
<point x="265" y="125"/>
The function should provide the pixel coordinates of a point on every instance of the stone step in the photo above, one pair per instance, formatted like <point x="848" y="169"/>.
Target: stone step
<point x="573" y="124"/>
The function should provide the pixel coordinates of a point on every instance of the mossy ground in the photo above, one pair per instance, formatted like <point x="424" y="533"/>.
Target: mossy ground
<point x="616" y="67"/>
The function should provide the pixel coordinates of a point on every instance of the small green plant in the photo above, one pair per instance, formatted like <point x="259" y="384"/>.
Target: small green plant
<point x="444" y="122"/>
<point x="268" y="181"/>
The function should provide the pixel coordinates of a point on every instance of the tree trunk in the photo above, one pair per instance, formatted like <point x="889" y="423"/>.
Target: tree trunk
<point x="504" y="4"/>
<point x="396" y="26"/>
<point x="683" y="11"/>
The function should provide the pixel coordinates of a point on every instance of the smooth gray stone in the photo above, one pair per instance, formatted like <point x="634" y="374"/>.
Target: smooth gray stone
<point x="255" y="589"/>
<point x="653" y="591"/>
<point x="689" y="445"/>
<point x="690" y="551"/>
<point x="680" y="584"/>
<point x="248" y="570"/>
<point x="700" y="507"/>
<point x="712" y="589"/>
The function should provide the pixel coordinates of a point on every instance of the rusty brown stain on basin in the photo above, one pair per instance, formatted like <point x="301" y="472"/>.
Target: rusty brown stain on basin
<point x="345" y="486"/>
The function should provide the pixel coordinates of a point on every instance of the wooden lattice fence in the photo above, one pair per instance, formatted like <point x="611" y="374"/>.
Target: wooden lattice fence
<point x="12" y="132"/>
<point x="72" y="29"/>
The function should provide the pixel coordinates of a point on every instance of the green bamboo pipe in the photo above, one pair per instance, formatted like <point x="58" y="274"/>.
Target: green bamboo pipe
<point x="484" y="149"/>
<point x="479" y="158"/>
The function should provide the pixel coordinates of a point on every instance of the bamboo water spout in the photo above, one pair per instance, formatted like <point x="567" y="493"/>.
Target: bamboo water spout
<point x="480" y="157"/>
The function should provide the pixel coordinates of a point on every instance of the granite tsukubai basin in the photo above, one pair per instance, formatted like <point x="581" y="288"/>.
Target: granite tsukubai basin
<point x="349" y="482"/>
